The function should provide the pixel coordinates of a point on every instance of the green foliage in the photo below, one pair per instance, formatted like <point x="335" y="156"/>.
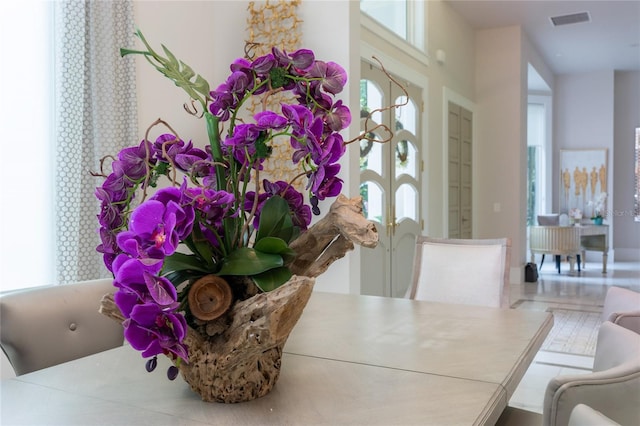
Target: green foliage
<point x="177" y="71"/>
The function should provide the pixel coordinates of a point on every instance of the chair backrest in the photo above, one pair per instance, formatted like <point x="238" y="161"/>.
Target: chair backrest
<point x="549" y="219"/>
<point x="613" y="388"/>
<point x="622" y="306"/>
<point x="45" y="326"/>
<point x="554" y="239"/>
<point x="466" y="271"/>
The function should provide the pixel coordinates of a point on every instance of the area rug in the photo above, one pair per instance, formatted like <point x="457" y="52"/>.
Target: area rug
<point x="573" y="332"/>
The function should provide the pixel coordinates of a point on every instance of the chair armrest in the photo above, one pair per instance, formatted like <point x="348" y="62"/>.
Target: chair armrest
<point x="614" y="392"/>
<point x="629" y="320"/>
<point x="619" y="299"/>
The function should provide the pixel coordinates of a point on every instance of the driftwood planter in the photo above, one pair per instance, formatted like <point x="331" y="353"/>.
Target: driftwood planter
<point x="237" y="356"/>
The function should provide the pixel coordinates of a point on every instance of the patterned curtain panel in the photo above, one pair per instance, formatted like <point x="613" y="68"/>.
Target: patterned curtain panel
<point x="95" y="115"/>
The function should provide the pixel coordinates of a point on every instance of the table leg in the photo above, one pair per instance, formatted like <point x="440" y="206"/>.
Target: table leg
<point x="604" y="262"/>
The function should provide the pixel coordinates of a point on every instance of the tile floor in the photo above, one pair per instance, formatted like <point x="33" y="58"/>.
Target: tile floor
<point x="582" y="291"/>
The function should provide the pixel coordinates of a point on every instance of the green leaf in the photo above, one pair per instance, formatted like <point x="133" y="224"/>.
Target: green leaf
<point x="186" y="72"/>
<point x="272" y="279"/>
<point x="248" y="261"/>
<point x="276" y="246"/>
<point x="177" y="71"/>
<point x="178" y="277"/>
<point x="180" y="262"/>
<point x="201" y="85"/>
<point x="288" y="256"/>
<point x="271" y="245"/>
<point x="275" y="220"/>
<point x="173" y="61"/>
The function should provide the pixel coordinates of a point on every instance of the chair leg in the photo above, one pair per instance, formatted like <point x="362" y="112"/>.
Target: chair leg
<point x="542" y="261"/>
<point x="558" y="259"/>
<point x="578" y="257"/>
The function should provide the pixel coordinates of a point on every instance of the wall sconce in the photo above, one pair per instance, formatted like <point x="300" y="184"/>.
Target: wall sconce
<point x="441" y="56"/>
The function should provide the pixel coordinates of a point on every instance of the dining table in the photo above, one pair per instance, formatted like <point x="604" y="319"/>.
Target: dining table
<point x="351" y="359"/>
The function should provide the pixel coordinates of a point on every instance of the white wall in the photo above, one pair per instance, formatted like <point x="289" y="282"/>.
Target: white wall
<point x="583" y="119"/>
<point x="454" y="80"/>
<point x="626" y="232"/>
<point x="500" y="142"/>
<point x="208" y="36"/>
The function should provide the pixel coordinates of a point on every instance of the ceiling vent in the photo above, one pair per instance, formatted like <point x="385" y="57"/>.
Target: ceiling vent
<point x="574" y="18"/>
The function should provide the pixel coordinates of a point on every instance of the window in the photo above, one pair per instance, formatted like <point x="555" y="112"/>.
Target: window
<point x="26" y="222"/>
<point x="539" y="157"/>
<point x="391" y="14"/>
<point x="404" y="18"/>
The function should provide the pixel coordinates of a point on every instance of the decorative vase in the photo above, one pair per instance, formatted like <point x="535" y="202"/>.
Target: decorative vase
<point x="241" y="358"/>
<point x="597" y="220"/>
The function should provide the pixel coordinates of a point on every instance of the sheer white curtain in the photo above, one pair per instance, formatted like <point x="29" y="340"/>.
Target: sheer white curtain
<point x="95" y="115"/>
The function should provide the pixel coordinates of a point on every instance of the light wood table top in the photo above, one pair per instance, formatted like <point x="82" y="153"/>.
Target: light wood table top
<point x="350" y="360"/>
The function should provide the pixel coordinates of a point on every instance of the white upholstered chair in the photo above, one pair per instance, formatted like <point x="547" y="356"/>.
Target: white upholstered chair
<point x="466" y="271"/>
<point x="556" y="240"/>
<point x="612" y="389"/>
<point x="622" y="306"/>
<point x="583" y="415"/>
<point x="45" y="326"/>
<point x="549" y="219"/>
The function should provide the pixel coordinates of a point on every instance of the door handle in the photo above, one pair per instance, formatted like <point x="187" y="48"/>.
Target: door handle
<point x="391" y="224"/>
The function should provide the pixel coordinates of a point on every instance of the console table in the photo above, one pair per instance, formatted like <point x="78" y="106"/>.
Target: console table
<point x="350" y="360"/>
<point x="595" y="238"/>
<point x="571" y="241"/>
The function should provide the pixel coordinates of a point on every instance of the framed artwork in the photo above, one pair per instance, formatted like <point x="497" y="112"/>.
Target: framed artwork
<point x="583" y="177"/>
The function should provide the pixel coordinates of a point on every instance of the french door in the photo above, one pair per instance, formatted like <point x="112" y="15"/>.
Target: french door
<point x="460" y="165"/>
<point x="390" y="177"/>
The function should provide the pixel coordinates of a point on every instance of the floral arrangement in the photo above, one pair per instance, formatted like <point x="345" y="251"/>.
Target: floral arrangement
<point x="575" y="214"/>
<point x="598" y="204"/>
<point x="217" y="217"/>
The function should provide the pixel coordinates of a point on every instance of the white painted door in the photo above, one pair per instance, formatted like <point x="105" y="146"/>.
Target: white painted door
<point x="460" y="139"/>
<point x="390" y="176"/>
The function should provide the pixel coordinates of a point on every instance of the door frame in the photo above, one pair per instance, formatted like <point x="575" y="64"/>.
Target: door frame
<point x="396" y="67"/>
<point x="449" y="95"/>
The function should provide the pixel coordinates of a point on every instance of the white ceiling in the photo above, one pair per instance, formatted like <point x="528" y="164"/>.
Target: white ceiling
<point x="610" y="41"/>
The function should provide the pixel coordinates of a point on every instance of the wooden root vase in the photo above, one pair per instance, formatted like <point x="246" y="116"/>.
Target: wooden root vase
<point x="244" y="362"/>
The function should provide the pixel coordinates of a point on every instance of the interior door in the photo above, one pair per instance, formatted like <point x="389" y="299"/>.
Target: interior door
<point x="390" y="176"/>
<point x="460" y="137"/>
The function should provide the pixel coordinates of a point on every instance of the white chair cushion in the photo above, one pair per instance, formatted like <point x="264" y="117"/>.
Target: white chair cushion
<point x="470" y="272"/>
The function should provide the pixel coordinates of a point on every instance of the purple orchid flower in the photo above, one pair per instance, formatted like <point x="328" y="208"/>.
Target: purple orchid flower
<point x="301" y="60"/>
<point x="332" y="76"/>
<point x="185" y="216"/>
<point x="270" y="120"/>
<point x="213" y="205"/>
<point x="338" y="117"/>
<point x="153" y="331"/>
<point x="300" y="212"/>
<point x="133" y="160"/>
<point x="152" y="225"/>
<point x="263" y="64"/>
